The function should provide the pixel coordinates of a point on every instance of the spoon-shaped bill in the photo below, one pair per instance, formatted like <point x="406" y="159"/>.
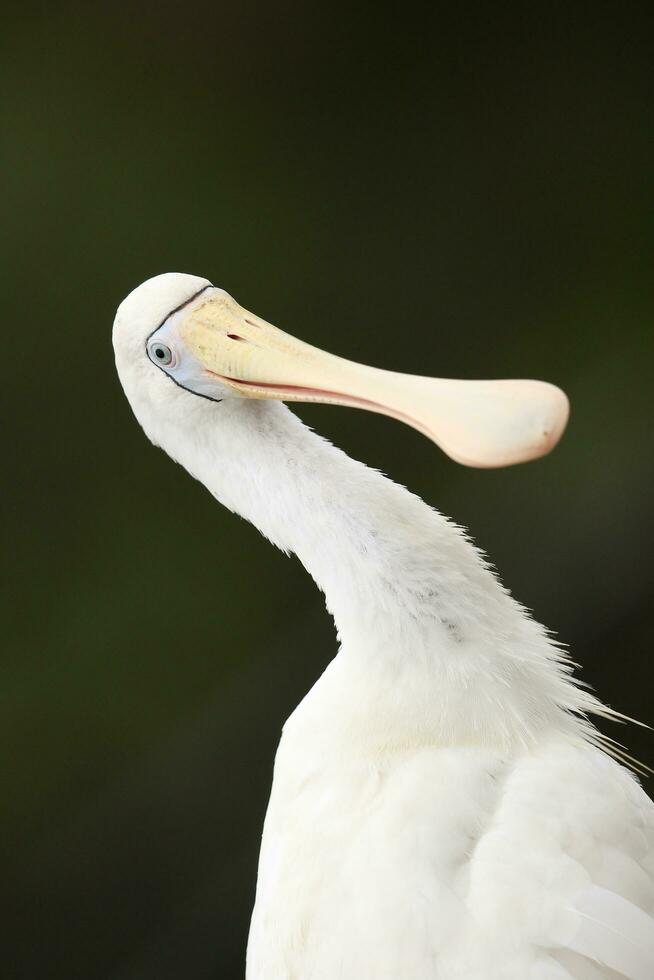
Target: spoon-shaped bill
<point x="478" y="423"/>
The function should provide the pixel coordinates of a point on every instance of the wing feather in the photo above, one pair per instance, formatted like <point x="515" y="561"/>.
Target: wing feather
<point x="615" y="933"/>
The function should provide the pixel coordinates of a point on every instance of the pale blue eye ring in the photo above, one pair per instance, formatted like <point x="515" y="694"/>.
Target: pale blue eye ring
<point x="160" y="354"/>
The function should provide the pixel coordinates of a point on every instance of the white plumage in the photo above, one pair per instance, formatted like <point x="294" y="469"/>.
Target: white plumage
<point x="441" y="807"/>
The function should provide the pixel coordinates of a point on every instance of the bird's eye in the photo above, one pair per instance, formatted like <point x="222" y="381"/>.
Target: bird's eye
<point x="160" y="354"/>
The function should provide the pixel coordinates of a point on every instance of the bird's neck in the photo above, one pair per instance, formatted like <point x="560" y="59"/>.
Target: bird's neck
<point x="388" y="564"/>
<point x="410" y="595"/>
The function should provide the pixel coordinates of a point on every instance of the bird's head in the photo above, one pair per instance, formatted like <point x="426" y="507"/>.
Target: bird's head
<point x="178" y="340"/>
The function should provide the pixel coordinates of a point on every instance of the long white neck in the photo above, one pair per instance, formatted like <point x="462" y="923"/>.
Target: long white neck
<point x="416" y="607"/>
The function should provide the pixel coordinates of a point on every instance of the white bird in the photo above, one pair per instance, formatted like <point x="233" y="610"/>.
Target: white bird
<point x="441" y="808"/>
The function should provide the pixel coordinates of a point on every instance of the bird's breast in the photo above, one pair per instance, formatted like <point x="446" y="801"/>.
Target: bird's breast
<point x="438" y="861"/>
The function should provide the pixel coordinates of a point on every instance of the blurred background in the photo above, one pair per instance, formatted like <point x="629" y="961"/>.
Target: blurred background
<point x="467" y="194"/>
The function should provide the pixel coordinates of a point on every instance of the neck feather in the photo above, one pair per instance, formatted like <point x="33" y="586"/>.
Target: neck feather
<point x="414" y="602"/>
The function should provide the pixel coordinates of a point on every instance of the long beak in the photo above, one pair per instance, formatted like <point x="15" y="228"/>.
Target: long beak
<point x="479" y="423"/>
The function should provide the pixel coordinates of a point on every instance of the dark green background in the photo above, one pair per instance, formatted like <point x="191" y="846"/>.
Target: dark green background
<point x="467" y="194"/>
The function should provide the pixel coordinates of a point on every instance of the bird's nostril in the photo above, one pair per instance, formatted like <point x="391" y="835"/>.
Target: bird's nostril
<point x="234" y="336"/>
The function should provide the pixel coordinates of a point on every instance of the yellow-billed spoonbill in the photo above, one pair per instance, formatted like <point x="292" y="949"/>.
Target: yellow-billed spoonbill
<point x="441" y="808"/>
